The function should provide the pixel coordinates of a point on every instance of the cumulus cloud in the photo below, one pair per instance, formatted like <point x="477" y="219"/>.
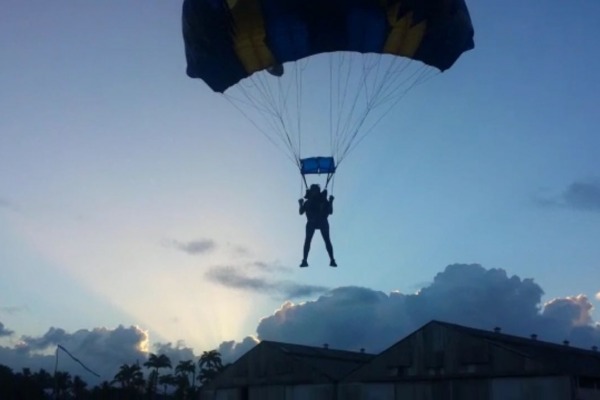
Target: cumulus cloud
<point x="355" y="317"/>
<point x="232" y="350"/>
<point x="176" y="352"/>
<point x="102" y="350"/>
<point x="244" y="279"/>
<point x="345" y="317"/>
<point x="4" y="332"/>
<point x="581" y="195"/>
<point x="569" y="311"/>
<point x="598" y="296"/>
<point x="194" y="247"/>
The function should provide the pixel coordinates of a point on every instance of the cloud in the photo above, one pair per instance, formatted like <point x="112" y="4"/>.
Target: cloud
<point x="100" y="349"/>
<point x="468" y="294"/>
<point x="273" y="267"/>
<point x="240" y="278"/>
<point x="4" y="332"/>
<point x="176" y="353"/>
<point x="8" y="205"/>
<point x="583" y="196"/>
<point x="598" y="296"/>
<point x="232" y="350"/>
<point x="12" y="309"/>
<point x="569" y="311"/>
<point x="238" y="250"/>
<point x="194" y="247"/>
<point x="345" y="317"/>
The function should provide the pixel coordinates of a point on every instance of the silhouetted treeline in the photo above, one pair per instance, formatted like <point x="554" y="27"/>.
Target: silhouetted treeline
<point x="156" y="379"/>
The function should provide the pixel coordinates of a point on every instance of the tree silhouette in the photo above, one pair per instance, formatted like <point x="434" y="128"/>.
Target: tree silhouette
<point x="62" y="384"/>
<point x="184" y="370"/>
<point x="210" y="365"/>
<point x="156" y="362"/>
<point x="79" y="388"/>
<point x="130" y="378"/>
<point x="43" y="380"/>
<point x="167" y="380"/>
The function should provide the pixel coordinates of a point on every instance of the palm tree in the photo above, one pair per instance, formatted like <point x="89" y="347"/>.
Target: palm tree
<point x="104" y="391"/>
<point x="156" y="362"/>
<point x="211" y="359"/>
<point x="7" y="382"/>
<point x="167" y="380"/>
<point x="210" y="365"/>
<point x="62" y="383"/>
<point x="43" y="380"/>
<point x="79" y="388"/>
<point x="183" y="371"/>
<point x="130" y="377"/>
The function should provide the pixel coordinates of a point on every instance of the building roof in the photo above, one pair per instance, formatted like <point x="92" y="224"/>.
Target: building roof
<point x="278" y="363"/>
<point x="563" y="357"/>
<point x="333" y="363"/>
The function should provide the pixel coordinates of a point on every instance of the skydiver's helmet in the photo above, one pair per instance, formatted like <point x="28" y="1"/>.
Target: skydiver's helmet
<point x="313" y="191"/>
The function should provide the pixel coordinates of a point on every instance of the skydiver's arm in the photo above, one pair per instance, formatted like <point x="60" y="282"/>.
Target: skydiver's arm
<point x="330" y="205"/>
<point x="301" y="203"/>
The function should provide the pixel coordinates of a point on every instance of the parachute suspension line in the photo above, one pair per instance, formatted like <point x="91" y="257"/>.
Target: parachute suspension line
<point x="338" y="91"/>
<point x="399" y="81"/>
<point x="276" y="106"/>
<point x="357" y="136"/>
<point x="372" y="100"/>
<point x="299" y="87"/>
<point x="389" y="89"/>
<point x="331" y="143"/>
<point x="332" y="183"/>
<point x="262" y="130"/>
<point x="352" y="125"/>
<point x="425" y="74"/>
<point x="343" y="132"/>
<point x="343" y="112"/>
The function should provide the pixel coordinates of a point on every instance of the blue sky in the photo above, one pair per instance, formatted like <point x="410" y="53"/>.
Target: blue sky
<point x="132" y="195"/>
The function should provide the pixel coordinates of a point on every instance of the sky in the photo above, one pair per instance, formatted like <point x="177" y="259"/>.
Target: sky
<point x="140" y="211"/>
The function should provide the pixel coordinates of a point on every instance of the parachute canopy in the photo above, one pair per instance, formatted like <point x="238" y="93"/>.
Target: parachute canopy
<point x="229" y="40"/>
<point x="308" y="72"/>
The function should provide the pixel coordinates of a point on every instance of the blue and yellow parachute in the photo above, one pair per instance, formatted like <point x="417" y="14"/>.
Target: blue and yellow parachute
<point x="262" y="53"/>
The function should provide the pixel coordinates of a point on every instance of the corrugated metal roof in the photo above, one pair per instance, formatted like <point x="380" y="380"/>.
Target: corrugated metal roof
<point x="564" y="358"/>
<point x="334" y="363"/>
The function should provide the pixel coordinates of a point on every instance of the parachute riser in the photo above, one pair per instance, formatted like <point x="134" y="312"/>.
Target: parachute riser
<point x="317" y="166"/>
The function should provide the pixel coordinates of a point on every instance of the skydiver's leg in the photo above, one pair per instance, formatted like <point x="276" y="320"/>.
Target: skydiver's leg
<point x="310" y="231"/>
<point x="328" y="245"/>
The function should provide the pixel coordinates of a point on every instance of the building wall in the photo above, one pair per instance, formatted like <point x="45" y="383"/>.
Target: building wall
<point x="536" y="388"/>
<point x="588" y="394"/>
<point x="274" y="392"/>
<point x="438" y="352"/>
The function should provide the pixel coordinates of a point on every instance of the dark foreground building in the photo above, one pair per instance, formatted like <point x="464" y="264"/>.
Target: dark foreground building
<point x="439" y="361"/>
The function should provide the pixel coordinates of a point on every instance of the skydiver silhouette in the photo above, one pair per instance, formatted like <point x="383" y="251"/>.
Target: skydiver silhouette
<point x="317" y="208"/>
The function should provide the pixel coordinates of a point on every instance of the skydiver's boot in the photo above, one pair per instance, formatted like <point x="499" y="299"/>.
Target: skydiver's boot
<point x="332" y="263"/>
<point x="303" y="263"/>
